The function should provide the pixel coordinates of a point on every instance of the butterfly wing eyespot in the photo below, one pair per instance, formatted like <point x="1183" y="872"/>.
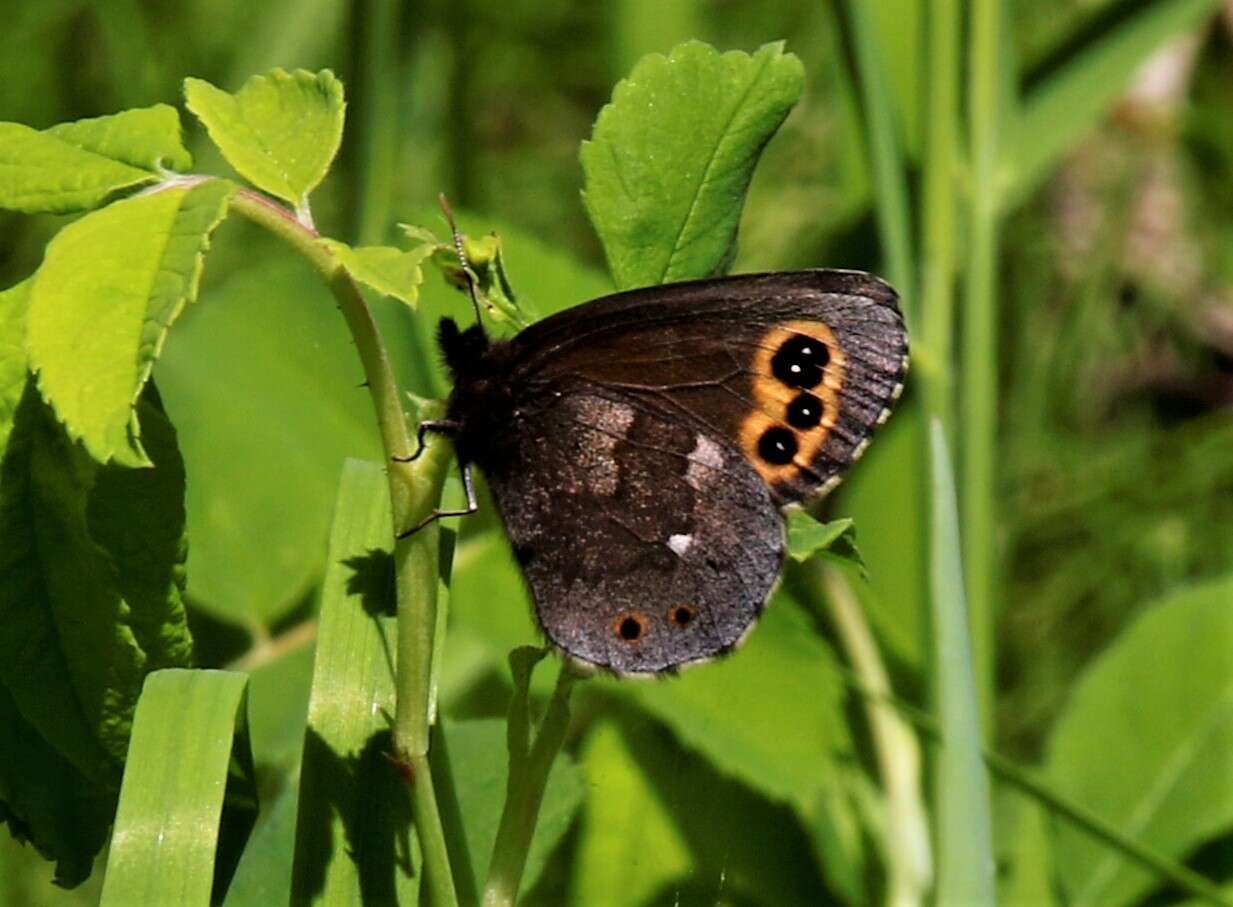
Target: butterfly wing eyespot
<point x="658" y="434"/>
<point x="630" y="627"/>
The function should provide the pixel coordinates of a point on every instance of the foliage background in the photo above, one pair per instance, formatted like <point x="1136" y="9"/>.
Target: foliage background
<point x="1115" y="339"/>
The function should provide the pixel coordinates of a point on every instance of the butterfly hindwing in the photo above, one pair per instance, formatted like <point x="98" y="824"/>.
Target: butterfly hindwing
<point x="646" y="543"/>
<point x="640" y="446"/>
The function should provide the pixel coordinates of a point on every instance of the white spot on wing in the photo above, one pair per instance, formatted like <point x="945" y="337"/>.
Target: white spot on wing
<point x="705" y="458"/>
<point x="608" y="422"/>
<point x="680" y="543"/>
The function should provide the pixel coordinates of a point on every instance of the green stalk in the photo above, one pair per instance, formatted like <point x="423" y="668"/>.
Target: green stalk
<point x="891" y="192"/>
<point x="528" y="776"/>
<point x="935" y="360"/>
<point x="978" y="436"/>
<point x="415" y="489"/>
<point x="908" y="852"/>
<point x="381" y="82"/>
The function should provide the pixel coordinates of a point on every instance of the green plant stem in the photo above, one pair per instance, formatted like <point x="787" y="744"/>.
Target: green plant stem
<point x="909" y="858"/>
<point x="980" y="344"/>
<point x="379" y="25"/>
<point x="415" y="489"/>
<point x="527" y="779"/>
<point x="894" y="220"/>
<point x="1026" y="781"/>
<point x="938" y="223"/>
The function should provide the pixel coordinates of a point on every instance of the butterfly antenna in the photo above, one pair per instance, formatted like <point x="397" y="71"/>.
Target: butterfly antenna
<point x="462" y="257"/>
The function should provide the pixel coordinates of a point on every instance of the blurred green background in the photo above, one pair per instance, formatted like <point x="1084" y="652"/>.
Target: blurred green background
<point x="1116" y="377"/>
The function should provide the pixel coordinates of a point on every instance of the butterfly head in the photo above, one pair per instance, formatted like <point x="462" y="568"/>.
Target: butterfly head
<point x="464" y="350"/>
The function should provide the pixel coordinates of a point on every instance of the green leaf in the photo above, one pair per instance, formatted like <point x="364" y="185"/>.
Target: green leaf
<point x="147" y="137"/>
<point x="1160" y="700"/>
<point x="733" y="711"/>
<point x="48" y="802"/>
<point x="621" y="797"/>
<point x="671" y="157"/>
<point x="1071" y="101"/>
<point x="91" y="575"/>
<point x="965" y="827"/>
<point x="13" y="304"/>
<point x="263" y="875"/>
<point x="111" y="285"/>
<point x="76" y="166"/>
<point x="694" y="835"/>
<point x="835" y="540"/>
<point x="353" y="803"/>
<point x="263" y="452"/>
<point x="478" y="767"/>
<point x="280" y="131"/>
<point x="386" y="269"/>
<point x="167" y="824"/>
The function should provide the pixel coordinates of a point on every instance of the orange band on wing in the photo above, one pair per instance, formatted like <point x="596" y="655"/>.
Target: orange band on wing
<point x="762" y="435"/>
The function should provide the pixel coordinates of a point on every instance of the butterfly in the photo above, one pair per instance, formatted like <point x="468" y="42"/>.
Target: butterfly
<point x="641" y="447"/>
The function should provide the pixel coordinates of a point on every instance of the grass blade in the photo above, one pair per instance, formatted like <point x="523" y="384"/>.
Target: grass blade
<point x="171" y="800"/>
<point x="1070" y="101"/>
<point x="353" y="806"/>
<point x="965" y="837"/>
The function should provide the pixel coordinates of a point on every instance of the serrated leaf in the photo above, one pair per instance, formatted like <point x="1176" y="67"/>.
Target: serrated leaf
<point x="91" y="575"/>
<point x="1161" y="699"/>
<point x="671" y="157"/>
<point x="13" y="303"/>
<point x="48" y="802"/>
<point x="111" y="285"/>
<point x="76" y="166"/>
<point x="280" y="131"/>
<point x="167" y="824"/>
<point x="353" y="802"/>
<point x="148" y="138"/>
<point x="386" y="269"/>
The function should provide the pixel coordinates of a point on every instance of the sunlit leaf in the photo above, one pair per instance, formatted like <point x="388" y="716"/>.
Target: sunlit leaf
<point x="76" y="166"/>
<point x="111" y="285"/>
<point x="280" y="131"/>
<point x="671" y="156"/>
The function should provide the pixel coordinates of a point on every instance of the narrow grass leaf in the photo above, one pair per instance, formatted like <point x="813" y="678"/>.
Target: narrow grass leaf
<point x="354" y="821"/>
<point x="1068" y="104"/>
<point x="965" y="838"/>
<point x="386" y="269"/>
<point x="91" y="576"/>
<point x="280" y="131"/>
<point x="77" y="166"/>
<point x="1160" y="700"/>
<point x="671" y="156"/>
<point x="110" y="287"/>
<point x="167" y="824"/>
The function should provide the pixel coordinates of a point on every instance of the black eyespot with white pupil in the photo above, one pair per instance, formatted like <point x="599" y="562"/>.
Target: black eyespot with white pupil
<point x="800" y="361"/>
<point x="805" y="411"/>
<point x="777" y="445"/>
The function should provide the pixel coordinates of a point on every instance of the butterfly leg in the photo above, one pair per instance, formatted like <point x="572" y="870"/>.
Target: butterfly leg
<point x="437" y="426"/>
<point x="472" y="505"/>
